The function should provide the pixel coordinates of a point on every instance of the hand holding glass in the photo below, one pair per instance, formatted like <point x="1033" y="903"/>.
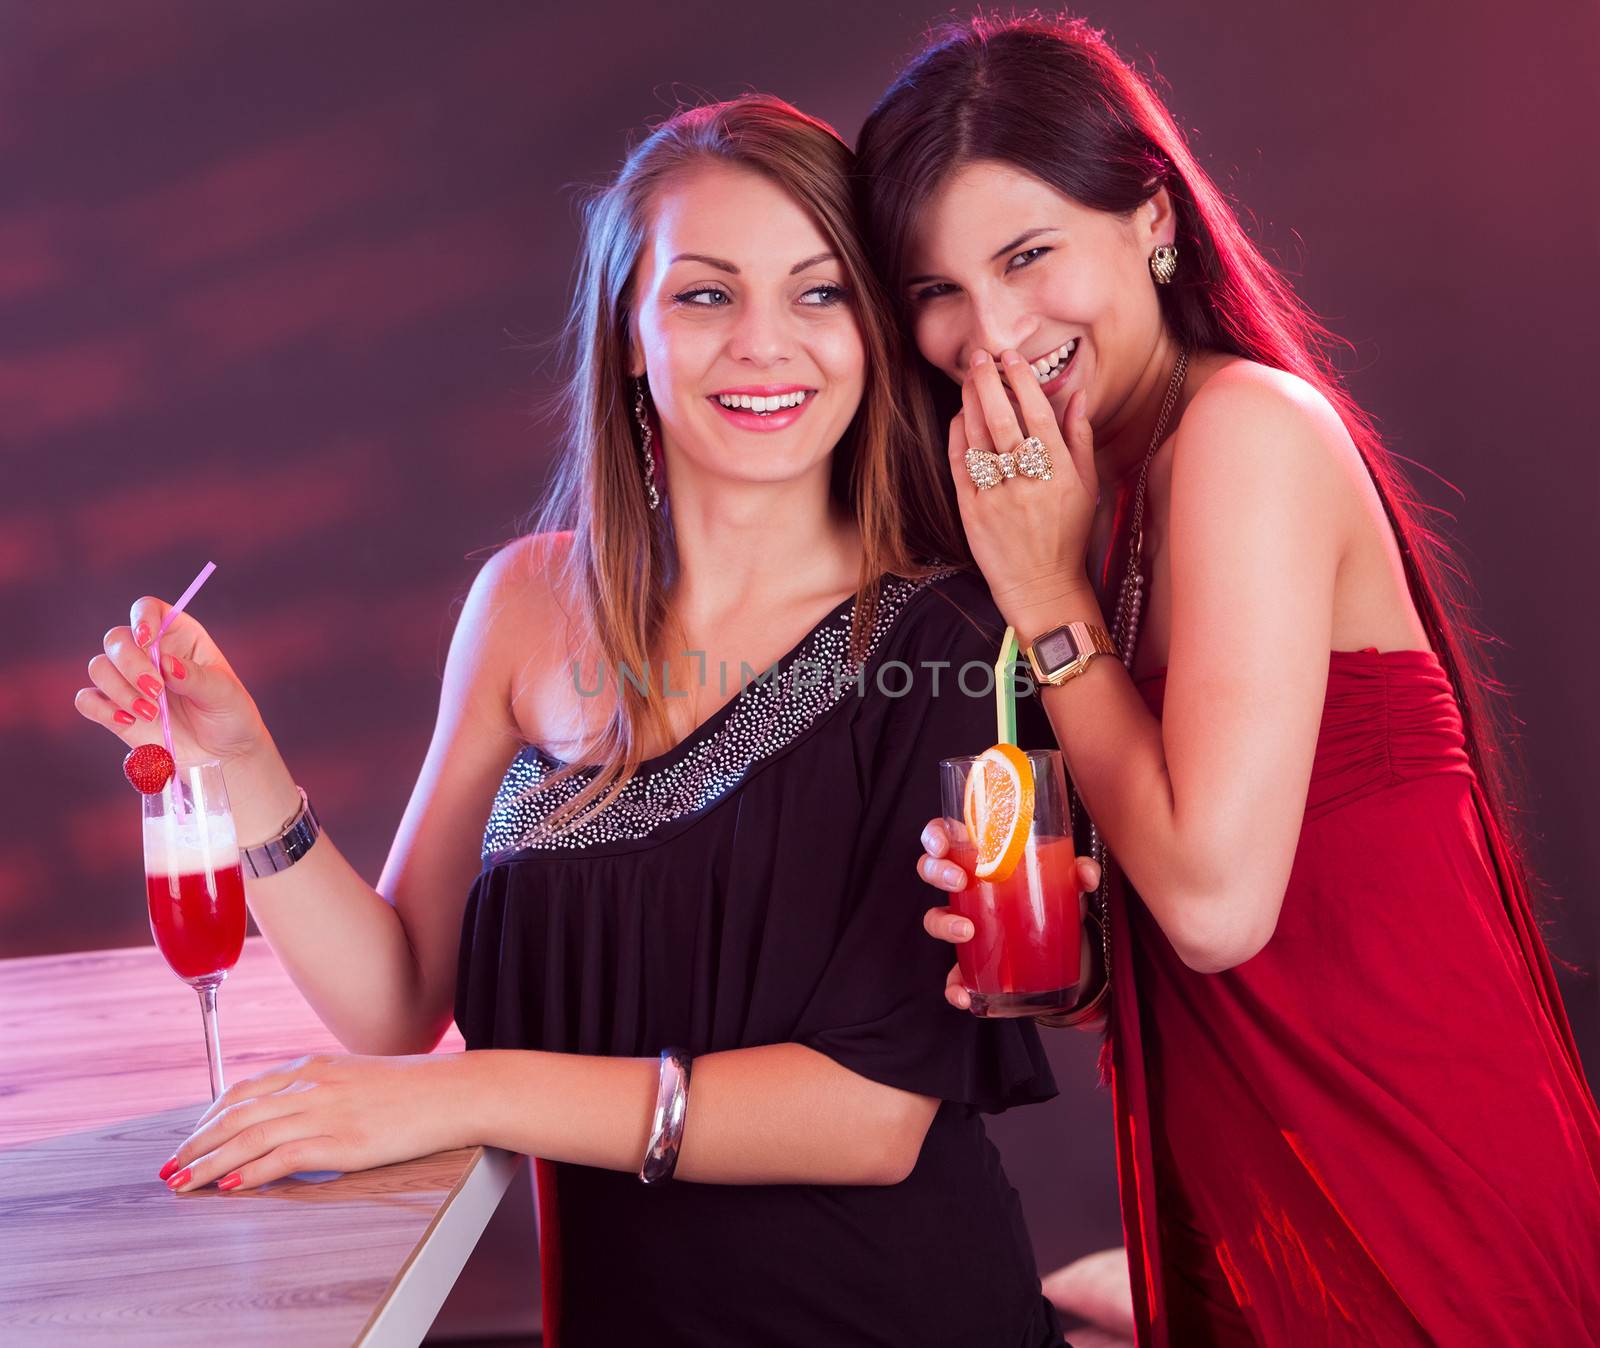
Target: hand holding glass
<point x="1030" y="952"/>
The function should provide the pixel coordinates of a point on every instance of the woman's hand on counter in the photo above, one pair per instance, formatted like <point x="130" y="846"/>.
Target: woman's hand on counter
<point x="324" y="1112"/>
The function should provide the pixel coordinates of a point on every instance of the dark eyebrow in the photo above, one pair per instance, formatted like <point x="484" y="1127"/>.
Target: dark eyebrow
<point x="728" y="267"/>
<point x="716" y="262"/>
<point x="999" y="253"/>
<point x="1017" y="242"/>
<point x="811" y="262"/>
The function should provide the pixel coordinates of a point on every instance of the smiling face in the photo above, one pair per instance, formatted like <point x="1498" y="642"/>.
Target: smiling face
<point x="1000" y="260"/>
<point x="744" y="326"/>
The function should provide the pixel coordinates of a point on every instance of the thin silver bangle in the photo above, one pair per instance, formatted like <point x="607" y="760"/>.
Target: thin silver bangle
<point x="672" y="1106"/>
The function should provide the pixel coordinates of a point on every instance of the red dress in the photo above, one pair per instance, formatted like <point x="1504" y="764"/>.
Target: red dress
<point x="1377" y="1130"/>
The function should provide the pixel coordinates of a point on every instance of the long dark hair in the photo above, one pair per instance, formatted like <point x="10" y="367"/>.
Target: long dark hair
<point x="1049" y="96"/>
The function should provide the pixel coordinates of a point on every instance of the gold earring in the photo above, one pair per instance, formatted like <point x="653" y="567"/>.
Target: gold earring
<point x="1164" y="263"/>
<point x="645" y="438"/>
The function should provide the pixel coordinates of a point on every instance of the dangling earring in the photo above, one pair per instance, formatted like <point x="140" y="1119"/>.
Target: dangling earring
<point x="1164" y="263"/>
<point x="645" y="437"/>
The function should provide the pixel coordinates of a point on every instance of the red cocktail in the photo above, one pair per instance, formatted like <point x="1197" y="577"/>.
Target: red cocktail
<point x="1028" y="943"/>
<point x="1030" y="952"/>
<point x="198" y="920"/>
<point x="194" y="889"/>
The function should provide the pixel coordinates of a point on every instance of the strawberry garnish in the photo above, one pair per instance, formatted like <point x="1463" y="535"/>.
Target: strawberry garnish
<point x="149" y="767"/>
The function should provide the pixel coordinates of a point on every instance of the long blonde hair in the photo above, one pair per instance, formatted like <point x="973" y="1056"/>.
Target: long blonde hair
<point x="621" y="564"/>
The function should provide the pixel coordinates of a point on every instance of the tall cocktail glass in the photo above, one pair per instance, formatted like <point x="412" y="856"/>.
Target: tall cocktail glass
<point x="194" y="888"/>
<point x="1030" y="953"/>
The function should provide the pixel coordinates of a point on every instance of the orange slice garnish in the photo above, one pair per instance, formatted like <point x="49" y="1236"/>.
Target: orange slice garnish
<point x="998" y="809"/>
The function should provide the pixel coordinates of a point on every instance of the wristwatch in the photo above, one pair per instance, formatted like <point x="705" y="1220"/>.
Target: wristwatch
<point x="280" y="853"/>
<point x="1064" y="652"/>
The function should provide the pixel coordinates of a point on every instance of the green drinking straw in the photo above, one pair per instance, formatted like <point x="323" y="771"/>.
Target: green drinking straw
<point x="1005" y="693"/>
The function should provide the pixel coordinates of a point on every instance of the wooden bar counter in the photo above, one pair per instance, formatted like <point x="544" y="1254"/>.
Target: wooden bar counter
<point x="102" y="1075"/>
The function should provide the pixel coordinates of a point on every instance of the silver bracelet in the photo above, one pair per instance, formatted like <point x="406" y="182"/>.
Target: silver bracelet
<point x="672" y="1105"/>
<point x="292" y="843"/>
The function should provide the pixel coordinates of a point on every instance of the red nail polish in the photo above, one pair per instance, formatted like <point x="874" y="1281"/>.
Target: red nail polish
<point x="179" y="1180"/>
<point x="141" y="634"/>
<point x="149" y="686"/>
<point x="166" y="1170"/>
<point x="229" y="1181"/>
<point x="177" y="667"/>
<point x="123" y="718"/>
<point x="145" y="709"/>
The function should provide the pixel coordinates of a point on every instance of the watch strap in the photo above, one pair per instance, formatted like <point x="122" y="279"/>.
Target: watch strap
<point x="280" y="853"/>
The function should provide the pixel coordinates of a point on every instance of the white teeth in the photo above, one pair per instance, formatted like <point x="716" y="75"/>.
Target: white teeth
<point x="1047" y="367"/>
<point x="760" y="404"/>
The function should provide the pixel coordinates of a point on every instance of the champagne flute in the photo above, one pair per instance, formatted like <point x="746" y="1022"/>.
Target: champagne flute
<point x="195" y="889"/>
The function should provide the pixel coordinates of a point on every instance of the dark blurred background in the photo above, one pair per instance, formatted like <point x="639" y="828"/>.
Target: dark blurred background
<point x="270" y="271"/>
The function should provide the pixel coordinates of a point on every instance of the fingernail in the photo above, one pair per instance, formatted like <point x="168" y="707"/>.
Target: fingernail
<point x="229" y="1181"/>
<point x="980" y="357"/>
<point x="149" y="685"/>
<point x="954" y="875"/>
<point x="963" y="929"/>
<point x="122" y="717"/>
<point x="180" y="1179"/>
<point x="965" y="999"/>
<point x="145" y="709"/>
<point x="166" y="1170"/>
<point x="141" y="634"/>
<point x="1011" y="358"/>
<point x="175" y="666"/>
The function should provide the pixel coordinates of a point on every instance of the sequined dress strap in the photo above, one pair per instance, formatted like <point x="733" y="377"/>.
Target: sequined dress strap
<point x="768" y="714"/>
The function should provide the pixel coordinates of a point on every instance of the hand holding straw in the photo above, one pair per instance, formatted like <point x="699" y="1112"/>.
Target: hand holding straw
<point x="155" y="659"/>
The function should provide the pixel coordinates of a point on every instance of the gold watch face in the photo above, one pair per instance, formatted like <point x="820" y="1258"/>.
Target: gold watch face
<point x="1056" y="650"/>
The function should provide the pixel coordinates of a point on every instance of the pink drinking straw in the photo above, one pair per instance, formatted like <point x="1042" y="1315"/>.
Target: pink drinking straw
<point x="155" y="659"/>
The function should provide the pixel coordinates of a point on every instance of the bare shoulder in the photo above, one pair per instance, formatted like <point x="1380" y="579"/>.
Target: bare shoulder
<point x="515" y="626"/>
<point x="1250" y="417"/>
<point x="525" y="576"/>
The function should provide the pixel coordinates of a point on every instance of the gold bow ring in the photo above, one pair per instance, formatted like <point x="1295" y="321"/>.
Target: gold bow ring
<point x="1030" y="458"/>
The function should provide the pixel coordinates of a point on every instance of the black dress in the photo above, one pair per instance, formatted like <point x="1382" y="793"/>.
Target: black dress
<point x="756" y="885"/>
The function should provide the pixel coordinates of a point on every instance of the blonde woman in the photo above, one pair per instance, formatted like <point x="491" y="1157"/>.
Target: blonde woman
<point x="700" y="863"/>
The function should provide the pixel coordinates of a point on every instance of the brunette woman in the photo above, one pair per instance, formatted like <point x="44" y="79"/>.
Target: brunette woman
<point x="702" y="850"/>
<point x="1349" y="1106"/>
